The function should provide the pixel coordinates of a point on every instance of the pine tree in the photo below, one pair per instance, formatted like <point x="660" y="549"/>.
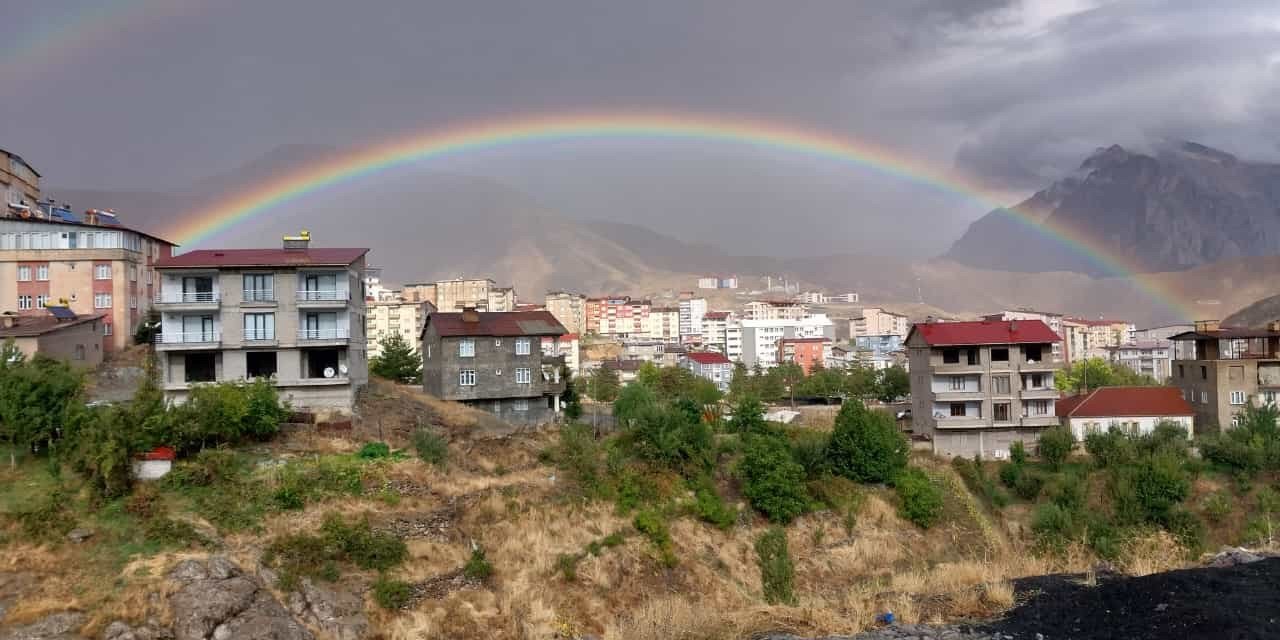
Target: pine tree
<point x="572" y="403"/>
<point x="398" y="361"/>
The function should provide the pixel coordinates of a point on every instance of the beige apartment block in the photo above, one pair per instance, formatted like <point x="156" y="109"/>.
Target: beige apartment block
<point x="569" y="308"/>
<point x="1220" y="370"/>
<point x="388" y="317"/>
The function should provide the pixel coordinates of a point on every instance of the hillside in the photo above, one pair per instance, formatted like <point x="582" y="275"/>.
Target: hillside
<point x="1257" y="314"/>
<point x="1177" y="207"/>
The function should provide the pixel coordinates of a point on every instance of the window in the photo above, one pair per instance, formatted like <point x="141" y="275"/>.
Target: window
<point x="523" y="376"/>
<point x="1235" y="419"/>
<point x="42" y="272"/>
<point x="133" y="301"/>
<point x="957" y="409"/>
<point x="79" y="352"/>
<point x="259" y="326"/>
<point x="1269" y="397"/>
<point x="106" y="329"/>
<point x="1000" y="411"/>
<point x="1001" y="384"/>
<point x="1037" y="381"/>
<point x="973" y="356"/>
<point x="522" y="346"/>
<point x="42" y="300"/>
<point x="467" y="348"/>
<point x="1237" y="397"/>
<point x="1038" y="407"/>
<point x="1204" y="397"/>
<point x="101" y="301"/>
<point x="199" y="367"/>
<point x="521" y="404"/>
<point x="101" y="272"/>
<point x="24" y="274"/>
<point x="24" y="302"/>
<point x="950" y="356"/>
<point x="133" y="273"/>
<point x="428" y="351"/>
<point x="1204" y="372"/>
<point x="1032" y="353"/>
<point x="467" y="378"/>
<point x="497" y="342"/>
<point x="1000" y="355"/>
<point x="259" y="287"/>
<point x="497" y="406"/>
<point x="1181" y="372"/>
<point x="260" y="364"/>
<point x="957" y="383"/>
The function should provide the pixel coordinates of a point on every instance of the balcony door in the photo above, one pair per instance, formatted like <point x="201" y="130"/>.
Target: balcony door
<point x="197" y="328"/>
<point x="321" y="326"/>
<point x="197" y="289"/>
<point x="320" y="286"/>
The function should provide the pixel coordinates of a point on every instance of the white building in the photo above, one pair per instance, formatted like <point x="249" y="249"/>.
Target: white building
<point x="760" y="337"/>
<point x="878" y="322"/>
<point x="566" y="345"/>
<point x="691" y="311"/>
<point x="712" y="366"/>
<point x="663" y="323"/>
<point x="385" y="317"/>
<point x="774" y="310"/>
<point x="1135" y="410"/>
<point x="708" y="283"/>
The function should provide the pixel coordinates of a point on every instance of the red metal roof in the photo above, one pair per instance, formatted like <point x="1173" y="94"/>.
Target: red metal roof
<point x="1122" y="402"/>
<point x="498" y="323"/>
<point x="158" y="453"/>
<point x="219" y="258"/>
<point x="715" y="315"/>
<point x="707" y="357"/>
<point x="803" y="340"/>
<point x="940" y="334"/>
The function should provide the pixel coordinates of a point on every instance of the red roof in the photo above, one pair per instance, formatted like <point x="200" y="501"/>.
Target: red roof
<point x="329" y="257"/>
<point x="1106" y="402"/>
<point x="803" y="340"/>
<point x="158" y="453"/>
<point x="715" y="315"/>
<point x="499" y="323"/>
<point x="939" y="334"/>
<point x="707" y="357"/>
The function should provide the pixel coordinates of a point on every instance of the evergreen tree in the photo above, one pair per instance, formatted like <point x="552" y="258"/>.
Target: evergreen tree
<point x="399" y="361"/>
<point x="572" y="403"/>
<point x="603" y="384"/>
<point x="866" y="445"/>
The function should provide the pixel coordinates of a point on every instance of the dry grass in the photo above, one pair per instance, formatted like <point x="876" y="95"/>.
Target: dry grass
<point x="1152" y="553"/>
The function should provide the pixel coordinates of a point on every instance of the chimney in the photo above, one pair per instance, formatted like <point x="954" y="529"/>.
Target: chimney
<point x="1203" y="326"/>
<point x="91" y="217"/>
<point x="1274" y="326"/>
<point x="298" y="242"/>
<point x="469" y="314"/>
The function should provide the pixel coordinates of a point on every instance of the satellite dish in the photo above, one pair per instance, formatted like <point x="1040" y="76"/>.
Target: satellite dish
<point x="328" y="372"/>
<point x="342" y="368"/>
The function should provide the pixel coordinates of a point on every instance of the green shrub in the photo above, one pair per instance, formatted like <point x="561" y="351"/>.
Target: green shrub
<point x="866" y="445"/>
<point x="374" y="451"/>
<point x="477" y="567"/>
<point x="1160" y="484"/>
<point x="651" y="524"/>
<point x="710" y="507"/>
<point x="1217" y="506"/>
<point x="1055" y="446"/>
<point x="1110" y="448"/>
<point x="1068" y="492"/>
<point x="670" y="437"/>
<point x="1018" y="453"/>
<point x="1028" y="485"/>
<point x="168" y="532"/>
<point x="567" y="565"/>
<point x="772" y="480"/>
<point x="837" y="493"/>
<point x="614" y="539"/>
<point x="919" y="498"/>
<point x="632" y="488"/>
<point x="748" y="417"/>
<point x="777" y="573"/>
<point x="431" y="447"/>
<point x="48" y="518"/>
<point x="317" y="555"/>
<point x="577" y="453"/>
<point x="1261" y="530"/>
<point x="1184" y="525"/>
<point x="1053" y="526"/>
<point x="391" y="594"/>
<point x="809" y="450"/>
<point x="367" y="548"/>
<point x="1010" y="472"/>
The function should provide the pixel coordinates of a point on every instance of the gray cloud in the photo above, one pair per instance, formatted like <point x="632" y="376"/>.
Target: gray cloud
<point x="1012" y="92"/>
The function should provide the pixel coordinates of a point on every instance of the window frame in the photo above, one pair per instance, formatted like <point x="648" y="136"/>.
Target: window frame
<point x="467" y="348"/>
<point x="520" y="404"/>
<point x="466" y="377"/>
<point x="524" y="375"/>
<point x="1238" y="398"/>
<point x="524" y="346"/>
<point x="24" y="273"/>
<point x="100" y="269"/>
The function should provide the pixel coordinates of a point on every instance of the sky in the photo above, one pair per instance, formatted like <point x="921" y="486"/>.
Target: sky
<point x="159" y="94"/>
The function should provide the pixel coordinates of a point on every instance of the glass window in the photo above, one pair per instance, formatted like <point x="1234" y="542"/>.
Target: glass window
<point x="522" y="346"/>
<point x="1237" y="397"/>
<point x="24" y="273"/>
<point x="106" y="328"/>
<point x="24" y="302"/>
<point x="101" y="301"/>
<point x="259" y="287"/>
<point x="1001" y="384"/>
<point x="259" y="326"/>
<point x="521" y="404"/>
<point x="42" y="272"/>
<point x="957" y="409"/>
<point x="957" y="383"/>
<point x="41" y="301"/>
<point x="467" y="378"/>
<point x="523" y="376"/>
<point x="1204" y="397"/>
<point x="101" y="272"/>
<point x="1000" y="411"/>
<point x="467" y="348"/>
<point x="950" y="356"/>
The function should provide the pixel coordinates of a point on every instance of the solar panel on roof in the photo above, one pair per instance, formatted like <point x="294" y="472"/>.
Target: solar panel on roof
<point x="62" y="313"/>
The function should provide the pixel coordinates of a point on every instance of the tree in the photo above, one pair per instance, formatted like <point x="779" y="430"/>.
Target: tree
<point x="859" y="381"/>
<point x="35" y="397"/>
<point x="768" y="385"/>
<point x="572" y="404"/>
<point x="748" y="417"/>
<point x="866" y="445"/>
<point x="632" y="401"/>
<point x="1055" y="445"/>
<point x="603" y="384"/>
<point x="648" y="375"/>
<point x="892" y="383"/>
<point x="398" y="361"/>
<point x="789" y="376"/>
<point x="771" y="479"/>
<point x="740" y="383"/>
<point x="1093" y="373"/>
<point x="824" y="383"/>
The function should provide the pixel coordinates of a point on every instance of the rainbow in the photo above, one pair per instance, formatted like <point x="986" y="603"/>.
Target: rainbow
<point x="433" y="144"/>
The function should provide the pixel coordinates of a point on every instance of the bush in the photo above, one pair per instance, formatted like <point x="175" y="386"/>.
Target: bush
<point x="710" y="507"/>
<point x="866" y="445"/>
<point x="809" y="450"/>
<point x="1069" y="492"/>
<point x="837" y="493"/>
<point x="1053" y="526"/>
<point x="1189" y="530"/>
<point x="633" y="488"/>
<point x="48" y="518"/>
<point x="670" y="437"/>
<point x="777" y="573"/>
<point x="1028" y="485"/>
<point x="1217" y="506"/>
<point x="655" y="529"/>
<point x="366" y="548"/>
<point x="477" y="567"/>
<point x="374" y="451"/>
<point x="431" y="447"/>
<point x="1109" y="449"/>
<point x="578" y="454"/>
<point x="772" y="480"/>
<point x="1018" y="453"/>
<point x="1010" y="472"/>
<point x="1160" y="484"/>
<point x="748" y="417"/>
<point x="391" y="594"/>
<point x="1055" y="446"/>
<point x="919" y="498"/>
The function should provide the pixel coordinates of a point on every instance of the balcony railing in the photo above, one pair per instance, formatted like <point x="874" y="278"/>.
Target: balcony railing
<point x="191" y="337"/>
<point x="252" y="335"/>
<point x="259" y="295"/>
<point x="187" y="297"/>
<point x="322" y="295"/>
<point x="322" y="334"/>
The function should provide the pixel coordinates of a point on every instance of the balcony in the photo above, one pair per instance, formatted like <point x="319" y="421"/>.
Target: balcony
<point x="178" y="300"/>
<point x="956" y="367"/>
<point x="322" y="336"/>
<point x="316" y="298"/>
<point x="189" y="340"/>
<point x="947" y="395"/>
<point x="1044" y="364"/>
<point x="1040" y="421"/>
<point x="1040" y="393"/>
<point x="259" y="298"/>
<point x="260" y="335"/>
<point x="960" y="422"/>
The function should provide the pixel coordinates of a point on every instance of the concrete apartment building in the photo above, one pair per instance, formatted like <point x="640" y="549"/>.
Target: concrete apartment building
<point x="691" y="311"/>
<point x="295" y="314"/>
<point x="760" y="337"/>
<point x="774" y="310"/>
<point x="806" y="352"/>
<point x="1084" y="338"/>
<point x="712" y="366"/>
<point x="878" y="322"/>
<point x="566" y="346"/>
<point x="462" y="293"/>
<point x="56" y="332"/>
<point x="385" y="317"/>
<point x="977" y="387"/>
<point x="494" y="362"/>
<point x="663" y="324"/>
<point x="569" y="308"/>
<point x="19" y="184"/>
<point x="1221" y="369"/>
<point x="1054" y="320"/>
<point x="618" y="316"/>
<point x="1148" y="358"/>
<point x="90" y="263"/>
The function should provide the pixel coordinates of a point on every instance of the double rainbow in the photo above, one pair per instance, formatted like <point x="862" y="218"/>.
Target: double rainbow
<point x="195" y="227"/>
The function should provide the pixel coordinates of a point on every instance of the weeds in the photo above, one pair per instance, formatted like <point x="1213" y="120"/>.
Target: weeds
<point x="477" y="567"/>
<point x="317" y="556"/>
<point x="391" y="594"/>
<point x="777" y="573"/>
<point x="655" y="529"/>
<point x="431" y="447"/>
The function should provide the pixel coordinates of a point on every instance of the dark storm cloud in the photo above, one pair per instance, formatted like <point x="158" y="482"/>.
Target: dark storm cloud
<point x="1014" y="92"/>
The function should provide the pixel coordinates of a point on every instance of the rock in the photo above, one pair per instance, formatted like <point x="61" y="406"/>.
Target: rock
<point x="1231" y="557"/>
<point x="79" y="534"/>
<point x="59" y="626"/>
<point x="338" y="613"/>
<point x="264" y="619"/>
<point x="200" y="606"/>
<point x="151" y="630"/>
<point x="189" y="571"/>
<point x="221" y="568"/>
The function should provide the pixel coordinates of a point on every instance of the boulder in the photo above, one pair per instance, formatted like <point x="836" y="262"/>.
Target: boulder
<point x="59" y="626"/>
<point x="79" y="534"/>
<point x="200" y="606"/>
<point x="221" y="568"/>
<point x="189" y="571"/>
<point x="264" y="619"/>
<point x="338" y="613"/>
<point x="1231" y="557"/>
<point x="218" y="601"/>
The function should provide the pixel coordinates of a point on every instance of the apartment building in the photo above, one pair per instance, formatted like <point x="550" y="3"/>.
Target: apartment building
<point x="691" y="310"/>
<point x="875" y="321"/>
<point x="462" y="293"/>
<point x="566" y="346"/>
<point x="708" y="282"/>
<point x="569" y="308"/>
<point x="618" y="316"/>
<point x="879" y="351"/>
<point x="386" y="317"/>
<point x="663" y="324"/>
<point x="710" y="365"/>
<point x="1221" y="369"/>
<point x="494" y="362"/>
<point x="1149" y="358"/>
<point x="760" y="337"/>
<point x="56" y="332"/>
<point x="294" y="314"/>
<point x="1054" y="320"/>
<point x="977" y="387"/>
<point x="809" y="353"/>
<point x="19" y="184"/>
<point x="774" y="310"/>
<point x="1091" y="338"/>
<point x="91" y="264"/>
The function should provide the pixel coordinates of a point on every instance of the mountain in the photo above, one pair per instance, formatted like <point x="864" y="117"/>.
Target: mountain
<point x="1180" y="206"/>
<point x="1257" y="314"/>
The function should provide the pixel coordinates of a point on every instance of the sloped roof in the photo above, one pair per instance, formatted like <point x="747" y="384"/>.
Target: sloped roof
<point x="498" y="323"/>
<point x="707" y="357"/>
<point x="1106" y="402"/>
<point x="221" y="258"/>
<point x="941" y="334"/>
<point x="26" y="326"/>
<point x="715" y="315"/>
